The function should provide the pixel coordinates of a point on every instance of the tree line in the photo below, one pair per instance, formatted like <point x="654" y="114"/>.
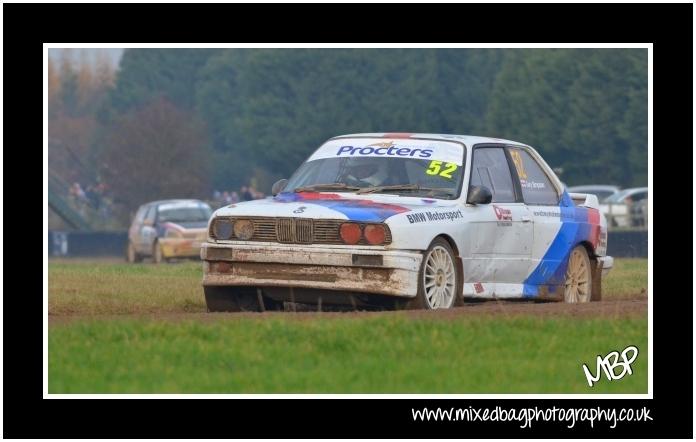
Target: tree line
<point x="182" y="122"/>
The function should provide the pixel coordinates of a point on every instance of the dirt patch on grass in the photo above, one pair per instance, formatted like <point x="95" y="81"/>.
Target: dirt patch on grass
<point x="623" y="308"/>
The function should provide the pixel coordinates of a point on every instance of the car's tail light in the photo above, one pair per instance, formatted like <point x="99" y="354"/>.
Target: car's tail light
<point x="375" y="234"/>
<point x="350" y="233"/>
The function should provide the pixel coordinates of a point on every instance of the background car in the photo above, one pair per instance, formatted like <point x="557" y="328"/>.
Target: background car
<point x="601" y="191"/>
<point x="619" y="210"/>
<point x="168" y="229"/>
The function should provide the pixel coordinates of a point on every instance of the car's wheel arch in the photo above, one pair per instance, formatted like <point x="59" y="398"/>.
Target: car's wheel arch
<point x="596" y="272"/>
<point x="459" y="297"/>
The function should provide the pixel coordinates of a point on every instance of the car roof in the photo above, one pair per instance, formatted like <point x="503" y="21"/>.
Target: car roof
<point x="636" y="189"/>
<point x="468" y="140"/>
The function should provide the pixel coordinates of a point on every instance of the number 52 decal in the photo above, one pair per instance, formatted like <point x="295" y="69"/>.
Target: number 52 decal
<point x="435" y="168"/>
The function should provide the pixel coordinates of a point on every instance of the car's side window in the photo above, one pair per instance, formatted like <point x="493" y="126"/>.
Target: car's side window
<point x="140" y="215"/>
<point x="537" y="188"/>
<point x="490" y="168"/>
<point x="639" y="196"/>
<point x="150" y="217"/>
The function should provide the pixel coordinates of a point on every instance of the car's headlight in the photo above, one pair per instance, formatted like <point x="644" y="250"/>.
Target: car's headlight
<point x="244" y="229"/>
<point x="222" y="229"/>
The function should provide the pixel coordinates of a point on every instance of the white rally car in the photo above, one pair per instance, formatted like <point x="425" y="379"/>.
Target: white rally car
<point x="408" y="221"/>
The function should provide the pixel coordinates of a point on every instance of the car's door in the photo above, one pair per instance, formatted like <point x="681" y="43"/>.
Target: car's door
<point x="501" y="243"/>
<point x="147" y="230"/>
<point x="551" y="244"/>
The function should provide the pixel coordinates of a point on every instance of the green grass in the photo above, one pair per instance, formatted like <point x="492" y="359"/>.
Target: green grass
<point x="392" y="353"/>
<point x="84" y="287"/>
<point x="389" y="354"/>
<point x="628" y="278"/>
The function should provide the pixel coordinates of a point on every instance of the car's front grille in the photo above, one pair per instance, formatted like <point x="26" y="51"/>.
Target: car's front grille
<point x="296" y="230"/>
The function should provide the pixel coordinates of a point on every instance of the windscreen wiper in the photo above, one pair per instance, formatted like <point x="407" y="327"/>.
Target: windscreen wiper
<point x="404" y="187"/>
<point x="327" y="186"/>
<point x="396" y="187"/>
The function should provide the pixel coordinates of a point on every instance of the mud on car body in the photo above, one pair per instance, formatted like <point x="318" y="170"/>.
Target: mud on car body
<point x="168" y="229"/>
<point x="408" y="220"/>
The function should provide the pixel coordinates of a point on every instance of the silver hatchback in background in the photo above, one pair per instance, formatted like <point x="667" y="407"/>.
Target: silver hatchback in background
<point x="168" y="229"/>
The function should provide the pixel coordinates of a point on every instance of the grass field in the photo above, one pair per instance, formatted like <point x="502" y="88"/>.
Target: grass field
<point x="377" y="353"/>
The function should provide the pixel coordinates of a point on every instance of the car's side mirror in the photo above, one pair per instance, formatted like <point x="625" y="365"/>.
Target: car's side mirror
<point x="479" y="195"/>
<point x="279" y="186"/>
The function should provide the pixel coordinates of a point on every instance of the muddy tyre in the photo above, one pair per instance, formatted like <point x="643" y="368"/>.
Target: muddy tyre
<point x="578" y="277"/>
<point x="438" y="280"/>
<point x="131" y="255"/>
<point x="230" y="299"/>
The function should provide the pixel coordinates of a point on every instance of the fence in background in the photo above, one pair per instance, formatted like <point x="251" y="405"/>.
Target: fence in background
<point x="87" y="244"/>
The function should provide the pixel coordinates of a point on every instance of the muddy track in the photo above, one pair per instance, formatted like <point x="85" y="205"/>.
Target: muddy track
<point x="621" y="308"/>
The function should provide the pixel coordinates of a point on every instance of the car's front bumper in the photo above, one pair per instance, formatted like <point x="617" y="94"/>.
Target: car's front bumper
<point x="330" y="268"/>
<point x="607" y="263"/>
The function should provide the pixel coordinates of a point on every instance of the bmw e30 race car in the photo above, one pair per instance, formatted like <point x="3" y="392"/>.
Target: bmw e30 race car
<point x="408" y="221"/>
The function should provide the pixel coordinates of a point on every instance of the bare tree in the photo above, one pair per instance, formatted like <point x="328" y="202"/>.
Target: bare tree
<point x="158" y="151"/>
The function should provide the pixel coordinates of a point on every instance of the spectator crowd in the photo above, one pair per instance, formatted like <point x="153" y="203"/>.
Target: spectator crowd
<point x="246" y="193"/>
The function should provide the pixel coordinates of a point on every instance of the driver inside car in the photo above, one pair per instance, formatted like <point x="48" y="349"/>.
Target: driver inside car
<point x="367" y="172"/>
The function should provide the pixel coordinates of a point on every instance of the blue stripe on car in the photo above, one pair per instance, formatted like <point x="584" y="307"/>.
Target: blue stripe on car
<point x="552" y="267"/>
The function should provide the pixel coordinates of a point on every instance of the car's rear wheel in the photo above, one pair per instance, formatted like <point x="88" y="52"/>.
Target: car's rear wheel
<point x="230" y="299"/>
<point x="131" y="255"/>
<point x="438" y="281"/>
<point x="578" y="277"/>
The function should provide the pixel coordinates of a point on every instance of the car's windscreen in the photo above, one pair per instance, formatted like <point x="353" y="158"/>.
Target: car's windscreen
<point x="377" y="165"/>
<point x="184" y="214"/>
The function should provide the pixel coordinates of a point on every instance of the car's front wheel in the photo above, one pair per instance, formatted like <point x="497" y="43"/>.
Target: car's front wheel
<point x="438" y="281"/>
<point x="578" y="277"/>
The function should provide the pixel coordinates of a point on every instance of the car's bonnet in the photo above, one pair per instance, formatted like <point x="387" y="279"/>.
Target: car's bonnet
<point x="323" y="205"/>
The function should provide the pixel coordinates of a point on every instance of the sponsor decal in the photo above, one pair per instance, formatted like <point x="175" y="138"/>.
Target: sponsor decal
<point x="531" y="184"/>
<point x="384" y="151"/>
<point x="502" y="214"/>
<point x="393" y="147"/>
<point x="519" y="165"/>
<point x="300" y="209"/>
<point x="547" y="213"/>
<point x="422" y="217"/>
<point x="478" y="287"/>
<point x="384" y="144"/>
